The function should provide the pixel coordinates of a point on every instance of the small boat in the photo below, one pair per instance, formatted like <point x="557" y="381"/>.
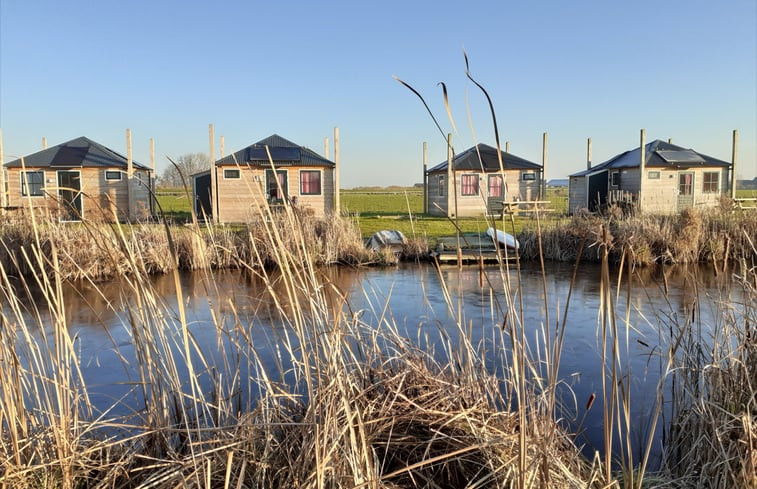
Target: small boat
<point x="390" y="238"/>
<point x="503" y="238"/>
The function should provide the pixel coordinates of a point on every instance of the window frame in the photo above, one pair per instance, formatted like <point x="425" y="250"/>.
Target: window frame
<point x="528" y="176"/>
<point x="25" y="185"/>
<point x="232" y="170"/>
<point x="109" y="173"/>
<point x="615" y="179"/>
<point x="710" y="187"/>
<point x="653" y="175"/>
<point x="501" y="186"/>
<point x="320" y="182"/>
<point x="477" y="180"/>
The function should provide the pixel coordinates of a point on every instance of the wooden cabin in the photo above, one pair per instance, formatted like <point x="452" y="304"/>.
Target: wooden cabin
<point x="79" y="180"/>
<point x="477" y="185"/>
<point x="248" y="179"/>
<point x="673" y="178"/>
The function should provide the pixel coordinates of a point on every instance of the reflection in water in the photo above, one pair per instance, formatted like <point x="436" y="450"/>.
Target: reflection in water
<point x="426" y="304"/>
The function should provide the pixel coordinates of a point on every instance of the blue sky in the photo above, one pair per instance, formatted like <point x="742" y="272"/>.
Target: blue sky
<point x="685" y="70"/>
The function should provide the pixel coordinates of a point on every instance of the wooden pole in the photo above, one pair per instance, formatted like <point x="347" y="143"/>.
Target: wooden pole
<point x="670" y="140"/>
<point x="2" y="175"/>
<point x="129" y="176"/>
<point x="425" y="178"/>
<point x="44" y="142"/>
<point x="734" y="154"/>
<point x="213" y="176"/>
<point x="642" y="163"/>
<point x="152" y="176"/>
<point x="543" y="183"/>
<point x="450" y="173"/>
<point x="223" y="143"/>
<point x="507" y="146"/>
<point x="588" y="154"/>
<point x="326" y="147"/>
<point x="336" y="171"/>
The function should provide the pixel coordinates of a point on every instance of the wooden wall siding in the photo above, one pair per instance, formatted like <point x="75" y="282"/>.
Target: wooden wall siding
<point x="100" y="197"/>
<point x="576" y="194"/>
<point x="240" y="200"/>
<point x="475" y="205"/>
<point x="659" y="196"/>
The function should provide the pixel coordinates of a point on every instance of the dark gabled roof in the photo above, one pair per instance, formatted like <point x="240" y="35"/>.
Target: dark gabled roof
<point x="79" y="152"/>
<point x="659" y="154"/>
<point x="283" y="153"/>
<point x="470" y="160"/>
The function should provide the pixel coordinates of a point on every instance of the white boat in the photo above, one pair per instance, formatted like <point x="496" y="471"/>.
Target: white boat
<point x="503" y="238"/>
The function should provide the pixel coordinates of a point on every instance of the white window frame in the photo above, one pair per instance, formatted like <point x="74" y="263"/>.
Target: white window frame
<point x="117" y="172"/>
<point x="530" y="174"/>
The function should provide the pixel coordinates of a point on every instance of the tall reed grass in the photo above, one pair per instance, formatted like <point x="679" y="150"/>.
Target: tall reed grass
<point x="343" y="402"/>
<point x="717" y="235"/>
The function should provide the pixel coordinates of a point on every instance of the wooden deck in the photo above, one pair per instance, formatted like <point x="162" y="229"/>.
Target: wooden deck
<point x="469" y="256"/>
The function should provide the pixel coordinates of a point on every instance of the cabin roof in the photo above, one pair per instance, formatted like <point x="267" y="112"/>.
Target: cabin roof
<point x="283" y="153"/>
<point x="79" y="152"/>
<point x="483" y="157"/>
<point x="659" y="154"/>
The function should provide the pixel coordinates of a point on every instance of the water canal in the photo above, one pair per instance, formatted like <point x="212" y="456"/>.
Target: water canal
<point x="426" y="304"/>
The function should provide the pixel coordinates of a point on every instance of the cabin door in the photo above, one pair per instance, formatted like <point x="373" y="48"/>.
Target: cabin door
<point x="69" y="195"/>
<point x="685" y="189"/>
<point x="597" y="191"/>
<point x="276" y="187"/>
<point x="203" y="196"/>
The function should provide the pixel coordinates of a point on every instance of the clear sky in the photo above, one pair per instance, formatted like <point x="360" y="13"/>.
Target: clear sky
<point x="685" y="70"/>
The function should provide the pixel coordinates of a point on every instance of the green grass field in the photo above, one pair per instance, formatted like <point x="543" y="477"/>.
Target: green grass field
<point x="377" y="209"/>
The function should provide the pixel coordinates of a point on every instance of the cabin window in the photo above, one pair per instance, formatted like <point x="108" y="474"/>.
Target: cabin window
<point x="32" y="183"/>
<point x="112" y="175"/>
<point x="711" y="182"/>
<point x="310" y="182"/>
<point x="441" y="186"/>
<point x="232" y="174"/>
<point x="496" y="186"/>
<point x="276" y="186"/>
<point x="653" y="175"/>
<point x="615" y="179"/>
<point x="528" y="176"/>
<point x="469" y="185"/>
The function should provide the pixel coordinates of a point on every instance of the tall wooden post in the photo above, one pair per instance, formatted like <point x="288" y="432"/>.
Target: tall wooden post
<point x="2" y="175"/>
<point x="507" y="146"/>
<point x="543" y="183"/>
<point x="451" y="180"/>
<point x="129" y="177"/>
<point x="152" y="176"/>
<point x="336" y="171"/>
<point x="326" y="147"/>
<point x="44" y="142"/>
<point x="425" y="178"/>
<point x="588" y="154"/>
<point x="213" y="176"/>
<point x="642" y="165"/>
<point x="223" y="149"/>
<point x="734" y="154"/>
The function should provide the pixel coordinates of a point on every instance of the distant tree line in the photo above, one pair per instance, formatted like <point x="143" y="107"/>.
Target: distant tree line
<point x="186" y="165"/>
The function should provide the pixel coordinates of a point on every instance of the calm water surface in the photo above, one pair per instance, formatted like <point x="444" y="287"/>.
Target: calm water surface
<point x="416" y="298"/>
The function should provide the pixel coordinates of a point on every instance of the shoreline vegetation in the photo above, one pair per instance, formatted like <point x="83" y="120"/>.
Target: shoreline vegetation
<point x="95" y="251"/>
<point x="348" y="402"/>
